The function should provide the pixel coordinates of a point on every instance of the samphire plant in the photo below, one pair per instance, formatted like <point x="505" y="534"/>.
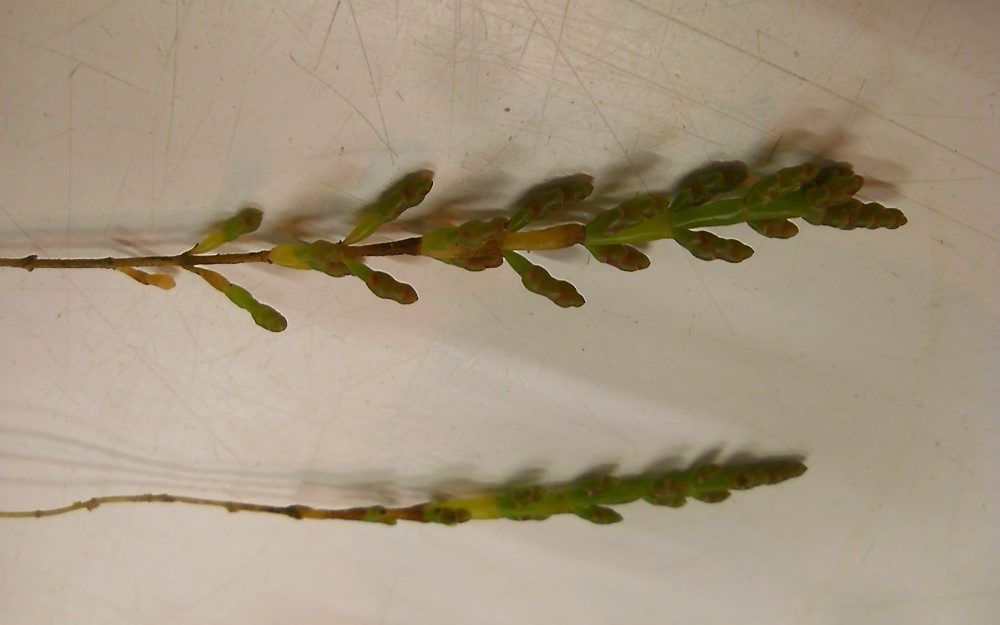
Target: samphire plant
<point x="589" y="498"/>
<point x="719" y="195"/>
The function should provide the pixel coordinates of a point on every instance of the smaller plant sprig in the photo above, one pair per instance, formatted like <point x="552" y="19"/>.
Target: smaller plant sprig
<point x="720" y="195"/>
<point x="589" y="498"/>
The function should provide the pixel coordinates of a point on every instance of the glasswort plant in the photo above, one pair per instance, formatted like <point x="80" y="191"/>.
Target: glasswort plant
<point x="720" y="195"/>
<point x="589" y="497"/>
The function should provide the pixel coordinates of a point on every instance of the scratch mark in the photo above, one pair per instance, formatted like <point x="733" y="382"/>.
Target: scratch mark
<point x="236" y="122"/>
<point x="291" y="19"/>
<point x="848" y="44"/>
<point x="180" y="398"/>
<point x="527" y="40"/>
<point x="179" y="22"/>
<point x="923" y="20"/>
<point x="20" y="229"/>
<point x="593" y="100"/>
<point x="326" y="38"/>
<point x="96" y="69"/>
<point x="121" y="187"/>
<point x="683" y="96"/>
<point x="774" y="148"/>
<point x="384" y="140"/>
<point x="482" y="17"/>
<point x="497" y="154"/>
<point x="184" y="151"/>
<point x="74" y="25"/>
<point x="920" y="180"/>
<point x="950" y="218"/>
<point x="593" y="419"/>
<point x="69" y="160"/>
<point x="243" y="91"/>
<point x="552" y="75"/>
<point x="711" y="298"/>
<point x="954" y="55"/>
<point x="854" y="102"/>
<point x="456" y="27"/>
<point x="371" y="77"/>
<point x="826" y="90"/>
<point x="943" y="116"/>
<point x="490" y="311"/>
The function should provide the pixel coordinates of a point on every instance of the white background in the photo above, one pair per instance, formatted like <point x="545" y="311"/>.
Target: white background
<point x="132" y="125"/>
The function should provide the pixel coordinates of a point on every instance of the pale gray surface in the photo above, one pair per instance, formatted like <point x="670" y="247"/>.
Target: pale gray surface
<point x="873" y="353"/>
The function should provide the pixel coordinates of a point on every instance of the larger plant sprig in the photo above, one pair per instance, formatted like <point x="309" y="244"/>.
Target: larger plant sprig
<point x="589" y="498"/>
<point x="720" y="195"/>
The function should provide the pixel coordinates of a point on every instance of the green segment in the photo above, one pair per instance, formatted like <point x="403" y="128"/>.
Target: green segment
<point x="780" y="183"/>
<point x="378" y="514"/>
<point x="320" y="255"/>
<point x="406" y="193"/>
<point x="715" y="179"/>
<point x="707" y="246"/>
<point x="624" y="257"/>
<point x="474" y="246"/>
<point x="537" y="280"/>
<point x="382" y="284"/>
<point x="262" y="314"/>
<point x="774" y="228"/>
<point x="244" y="222"/>
<point x="550" y="198"/>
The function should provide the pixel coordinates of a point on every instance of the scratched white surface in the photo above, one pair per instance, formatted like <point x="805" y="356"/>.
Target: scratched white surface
<point x="872" y="353"/>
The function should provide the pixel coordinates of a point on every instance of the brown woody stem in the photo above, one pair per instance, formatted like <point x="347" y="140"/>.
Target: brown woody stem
<point x="31" y="263"/>
<point x="555" y="237"/>
<point x="409" y="513"/>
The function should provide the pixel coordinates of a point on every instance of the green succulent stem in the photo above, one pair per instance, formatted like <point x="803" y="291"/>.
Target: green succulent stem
<point x="727" y="212"/>
<point x="552" y="238"/>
